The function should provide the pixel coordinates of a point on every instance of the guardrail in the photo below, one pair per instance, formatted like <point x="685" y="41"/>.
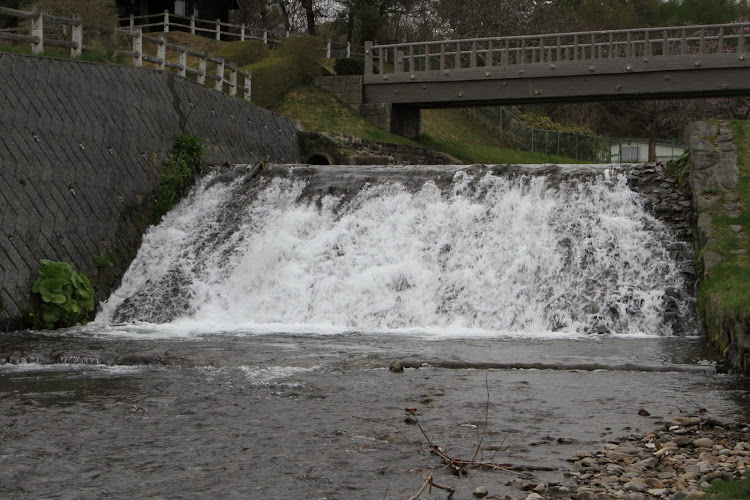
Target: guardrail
<point x="446" y="55"/>
<point x="182" y="67"/>
<point x="75" y="44"/>
<point x="220" y="30"/>
<point x="36" y="38"/>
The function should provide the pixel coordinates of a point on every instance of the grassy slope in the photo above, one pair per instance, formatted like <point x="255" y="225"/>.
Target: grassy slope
<point x="729" y="282"/>
<point x="319" y="110"/>
<point x="445" y="130"/>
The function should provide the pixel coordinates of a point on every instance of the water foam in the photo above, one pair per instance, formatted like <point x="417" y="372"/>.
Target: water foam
<point x="486" y="255"/>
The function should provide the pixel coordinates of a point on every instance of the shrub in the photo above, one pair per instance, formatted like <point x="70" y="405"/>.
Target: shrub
<point x="183" y="162"/>
<point x="245" y="52"/>
<point x="349" y="66"/>
<point x="67" y="296"/>
<point x="296" y="60"/>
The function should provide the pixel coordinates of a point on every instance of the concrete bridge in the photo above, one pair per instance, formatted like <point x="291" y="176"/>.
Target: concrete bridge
<point x="650" y="63"/>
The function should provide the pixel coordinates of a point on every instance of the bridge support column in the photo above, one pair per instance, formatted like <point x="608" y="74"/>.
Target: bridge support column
<point x="406" y="121"/>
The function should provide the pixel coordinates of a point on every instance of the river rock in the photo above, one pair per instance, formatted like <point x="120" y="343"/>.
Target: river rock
<point x="686" y="421"/>
<point x="480" y="492"/>
<point x="636" y="486"/>
<point x="680" y="459"/>
<point x="396" y="367"/>
<point x="648" y="463"/>
<point x="703" y="443"/>
<point x="682" y="440"/>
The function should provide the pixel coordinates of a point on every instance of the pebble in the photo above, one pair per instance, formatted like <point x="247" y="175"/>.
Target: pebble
<point x="396" y="367"/>
<point x="480" y="492"/>
<point x="672" y="463"/>
<point x="703" y="443"/>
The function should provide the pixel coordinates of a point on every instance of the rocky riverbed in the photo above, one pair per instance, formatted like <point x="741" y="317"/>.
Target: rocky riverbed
<point x="673" y="462"/>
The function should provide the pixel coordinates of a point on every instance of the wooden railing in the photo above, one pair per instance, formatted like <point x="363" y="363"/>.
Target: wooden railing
<point x="220" y="30"/>
<point x="36" y="37"/>
<point x="159" y="59"/>
<point x="447" y="55"/>
<point x="181" y="66"/>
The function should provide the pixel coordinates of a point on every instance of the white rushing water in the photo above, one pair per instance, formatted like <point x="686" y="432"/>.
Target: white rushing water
<point x="488" y="255"/>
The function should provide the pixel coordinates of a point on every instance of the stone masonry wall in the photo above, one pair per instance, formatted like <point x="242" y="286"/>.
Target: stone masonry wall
<point x="713" y="179"/>
<point x="80" y="151"/>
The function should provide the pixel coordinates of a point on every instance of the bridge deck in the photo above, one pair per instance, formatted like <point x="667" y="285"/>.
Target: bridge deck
<point x="686" y="61"/>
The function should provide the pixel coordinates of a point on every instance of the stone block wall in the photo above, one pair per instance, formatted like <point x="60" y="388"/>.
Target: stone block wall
<point x="713" y="179"/>
<point x="81" y="146"/>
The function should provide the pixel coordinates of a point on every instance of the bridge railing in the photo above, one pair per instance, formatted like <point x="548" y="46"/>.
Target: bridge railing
<point x="447" y="55"/>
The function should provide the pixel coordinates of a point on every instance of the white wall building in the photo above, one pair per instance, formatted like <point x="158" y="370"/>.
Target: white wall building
<point x="636" y="150"/>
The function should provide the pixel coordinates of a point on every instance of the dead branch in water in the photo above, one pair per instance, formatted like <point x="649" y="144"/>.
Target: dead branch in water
<point x="429" y="481"/>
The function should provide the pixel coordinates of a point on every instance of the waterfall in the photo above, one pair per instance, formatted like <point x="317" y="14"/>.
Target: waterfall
<point x="444" y="250"/>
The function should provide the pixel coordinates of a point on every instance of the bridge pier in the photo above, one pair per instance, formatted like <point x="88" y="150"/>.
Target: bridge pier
<point x="406" y="121"/>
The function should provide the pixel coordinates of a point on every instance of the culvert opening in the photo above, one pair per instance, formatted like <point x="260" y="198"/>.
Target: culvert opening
<point x="319" y="159"/>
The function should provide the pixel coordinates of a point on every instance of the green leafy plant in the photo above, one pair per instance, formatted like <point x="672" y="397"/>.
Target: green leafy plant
<point x="102" y="261"/>
<point x="67" y="296"/>
<point x="185" y="159"/>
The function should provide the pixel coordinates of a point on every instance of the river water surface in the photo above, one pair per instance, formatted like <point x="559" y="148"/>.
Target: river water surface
<point x="246" y="354"/>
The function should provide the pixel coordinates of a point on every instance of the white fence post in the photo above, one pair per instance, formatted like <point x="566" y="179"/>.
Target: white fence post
<point x="183" y="63"/>
<point x="202" y="69"/>
<point x="348" y="49"/>
<point x="233" y="81"/>
<point x="192" y="25"/>
<point x="37" y="30"/>
<point x="161" y="54"/>
<point x="242" y="32"/>
<point x="248" y="85"/>
<point x="219" y="76"/>
<point x="328" y="49"/>
<point x="265" y="36"/>
<point x="76" y="34"/>
<point x="138" y="49"/>
<point x="218" y="29"/>
<point x="166" y="21"/>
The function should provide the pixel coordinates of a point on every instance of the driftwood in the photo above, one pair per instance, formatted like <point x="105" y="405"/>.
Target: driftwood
<point x="429" y="481"/>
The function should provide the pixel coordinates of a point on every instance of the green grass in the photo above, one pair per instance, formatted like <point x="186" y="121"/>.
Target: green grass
<point x="719" y="490"/>
<point x="453" y="132"/>
<point x="446" y="130"/>
<point x="320" y="111"/>
<point x="729" y="282"/>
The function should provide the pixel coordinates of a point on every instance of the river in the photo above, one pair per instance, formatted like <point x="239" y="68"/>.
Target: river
<point x="247" y="352"/>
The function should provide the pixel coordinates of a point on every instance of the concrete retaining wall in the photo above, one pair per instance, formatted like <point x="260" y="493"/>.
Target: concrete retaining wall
<point x="80" y="151"/>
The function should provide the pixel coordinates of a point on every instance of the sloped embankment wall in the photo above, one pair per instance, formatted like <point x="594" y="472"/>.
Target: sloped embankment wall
<point x="80" y="151"/>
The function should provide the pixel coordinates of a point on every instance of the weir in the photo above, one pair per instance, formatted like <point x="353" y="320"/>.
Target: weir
<point x="442" y="250"/>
